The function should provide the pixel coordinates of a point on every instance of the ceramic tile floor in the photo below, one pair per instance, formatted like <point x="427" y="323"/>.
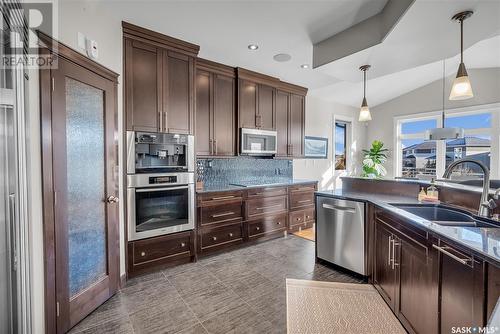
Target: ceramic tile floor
<point x="242" y="291"/>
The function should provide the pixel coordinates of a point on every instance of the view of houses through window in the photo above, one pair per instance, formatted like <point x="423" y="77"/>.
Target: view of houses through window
<point x="419" y="158"/>
<point x="340" y="145"/>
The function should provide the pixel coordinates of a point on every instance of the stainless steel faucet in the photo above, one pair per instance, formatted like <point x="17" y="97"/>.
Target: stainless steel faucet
<point x="484" y="206"/>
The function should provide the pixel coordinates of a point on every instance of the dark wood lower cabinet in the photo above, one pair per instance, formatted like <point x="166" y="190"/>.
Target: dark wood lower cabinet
<point x="462" y="289"/>
<point x="431" y="285"/>
<point x="166" y="250"/>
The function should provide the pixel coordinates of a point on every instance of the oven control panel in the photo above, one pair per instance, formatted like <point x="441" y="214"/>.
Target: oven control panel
<point x="163" y="179"/>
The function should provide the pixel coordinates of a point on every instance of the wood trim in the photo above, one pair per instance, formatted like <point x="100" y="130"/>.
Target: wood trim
<point x="256" y="77"/>
<point x="61" y="49"/>
<point x="213" y="67"/>
<point x="291" y="88"/>
<point x="139" y="33"/>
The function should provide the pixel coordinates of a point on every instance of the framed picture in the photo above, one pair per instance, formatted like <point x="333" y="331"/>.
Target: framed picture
<point x="316" y="147"/>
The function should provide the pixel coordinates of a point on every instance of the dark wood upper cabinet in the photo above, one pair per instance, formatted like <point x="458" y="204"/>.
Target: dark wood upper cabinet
<point x="296" y="125"/>
<point x="178" y="93"/>
<point x="159" y="81"/>
<point x="247" y="104"/>
<point x="282" y="107"/>
<point x="266" y="107"/>
<point x="143" y="86"/>
<point x="204" y="131"/>
<point x="215" y="109"/>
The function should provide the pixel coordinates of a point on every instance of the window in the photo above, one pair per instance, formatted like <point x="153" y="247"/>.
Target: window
<point x="340" y="146"/>
<point x="417" y="158"/>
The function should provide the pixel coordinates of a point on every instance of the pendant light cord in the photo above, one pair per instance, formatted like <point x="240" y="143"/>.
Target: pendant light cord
<point x="444" y="81"/>
<point x="364" y="83"/>
<point x="461" y="41"/>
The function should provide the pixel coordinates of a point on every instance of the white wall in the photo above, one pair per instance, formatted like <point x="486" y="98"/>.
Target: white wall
<point x="486" y="87"/>
<point x="320" y="117"/>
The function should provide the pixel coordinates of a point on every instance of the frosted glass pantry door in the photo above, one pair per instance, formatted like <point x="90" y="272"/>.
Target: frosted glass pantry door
<point x="85" y="191"/>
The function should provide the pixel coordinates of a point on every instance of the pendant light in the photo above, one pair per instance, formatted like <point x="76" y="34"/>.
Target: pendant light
<point x="461" y="89"/>
<point x="444" y="133"/>
<point x="364" y="112"/>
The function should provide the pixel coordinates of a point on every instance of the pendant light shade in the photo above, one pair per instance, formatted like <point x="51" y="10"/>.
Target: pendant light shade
<point x="364" y="112"/>
<point x="461" y="89"/>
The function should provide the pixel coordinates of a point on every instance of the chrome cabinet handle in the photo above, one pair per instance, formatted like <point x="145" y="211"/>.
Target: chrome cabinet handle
<point x="183" y="244"/>
<point x="445" y="250"/>
<point x="143" y="253"/>
<point x="339" y="208"/>
<point x="214" y="238"/>
<point x="305" y="201"/>
<point x="217" y="215"/>
<point x="230" y="235"/>
<point x="13" y="225"/>
<point x="112" y="199"/>
<point x="215" y="146"/>
<point x="389" y="259"/>
<point x="394" y="244"/>
<point x="279" y="223"/>
<point x="268" y="207"/>
<point x="211" y="146"/>
<point x="257" y="228"/>
<point x="222" y="197"/>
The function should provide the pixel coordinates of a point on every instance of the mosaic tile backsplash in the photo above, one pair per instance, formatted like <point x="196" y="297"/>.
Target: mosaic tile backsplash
<point x="217" y="172"/>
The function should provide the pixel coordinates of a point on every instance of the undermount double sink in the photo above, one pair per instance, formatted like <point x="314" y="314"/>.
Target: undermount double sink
<point x="445" y="216"/>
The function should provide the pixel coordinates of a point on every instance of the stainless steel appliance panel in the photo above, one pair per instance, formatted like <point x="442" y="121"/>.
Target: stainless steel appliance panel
<point x="340" y="237"/>
<point x="160" y="204"/>
<point x="258" y="142"/>
<point x="149" y="152"/>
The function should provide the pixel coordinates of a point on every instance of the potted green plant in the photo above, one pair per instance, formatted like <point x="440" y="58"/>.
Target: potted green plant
<point x="373" y="160"/>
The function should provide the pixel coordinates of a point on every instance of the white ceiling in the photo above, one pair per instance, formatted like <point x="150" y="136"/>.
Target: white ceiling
<point x="223" y="29"/>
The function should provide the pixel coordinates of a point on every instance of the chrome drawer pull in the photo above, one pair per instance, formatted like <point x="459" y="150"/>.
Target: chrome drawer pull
<point x="270" y="206"/>
<point x="279" y="223"/>
<point x="389" y="259"/>
<point x="305" y="201"/>
<point x="339" y="208"/>
<point x="143" y="253"/>
<point x="445" y="250"/>
<point x="214" y="238"/>
<point x="183" y="244"/>
<point x="223" y="197"/>
<point x="230" y="235"/>
<point x="257" y="228"/>
<point x="217" y="215"/>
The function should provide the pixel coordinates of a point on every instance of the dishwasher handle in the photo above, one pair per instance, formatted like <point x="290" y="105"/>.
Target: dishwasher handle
<point x="339" y="208"/>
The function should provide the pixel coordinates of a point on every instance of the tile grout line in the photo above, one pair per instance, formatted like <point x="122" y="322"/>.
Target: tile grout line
<point x="185" y="303"/>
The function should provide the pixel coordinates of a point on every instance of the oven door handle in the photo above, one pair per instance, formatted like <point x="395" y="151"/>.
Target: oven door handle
<point x="159" y="189"/>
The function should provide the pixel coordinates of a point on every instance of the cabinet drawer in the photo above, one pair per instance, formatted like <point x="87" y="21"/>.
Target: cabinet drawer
<point x="219" y="198"/>
<point x="259" y="206"/>
<point x="309" y="215"/>
<point x="221" y="236"/>
<point x="266" y="225"/>
<point x="301" y="199"/>
<point x="219" y="214"/>
<point x="160" y="249"/>
<point x="304" y="187"/>
<point x="296" y="218"/>
<point x="266" y="192"/>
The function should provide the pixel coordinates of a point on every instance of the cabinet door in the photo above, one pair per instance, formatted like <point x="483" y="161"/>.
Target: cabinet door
<point x="203" y="113"/>
<point x="178" y="88"/>
<point x="296" y="125"/>
<point x="282" y="106"/>
<point x="384" y="275"/>
<point x="493" y="289"/>
<point x="224" y="112"/>
<point x="143" y="86"/>
<point x="418" y="283"/>
<point x="247" y="104"/>
<point x="462" y="290"/>
<point x="266" y="115"/>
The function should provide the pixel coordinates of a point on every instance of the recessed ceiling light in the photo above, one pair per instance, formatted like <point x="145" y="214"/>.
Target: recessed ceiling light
<point x="304" y="66"/>
<point x="253" y="46"/>
<point x="282" y="57"/>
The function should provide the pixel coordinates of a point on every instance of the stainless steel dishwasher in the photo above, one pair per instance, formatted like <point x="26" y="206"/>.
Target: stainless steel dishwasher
<point x="340" y="233"/>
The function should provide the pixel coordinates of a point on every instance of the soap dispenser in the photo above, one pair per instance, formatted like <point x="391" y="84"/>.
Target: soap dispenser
<point x="432" y="190"/>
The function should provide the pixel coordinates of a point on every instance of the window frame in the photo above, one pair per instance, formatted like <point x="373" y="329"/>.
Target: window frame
<point x="493" y="133"/>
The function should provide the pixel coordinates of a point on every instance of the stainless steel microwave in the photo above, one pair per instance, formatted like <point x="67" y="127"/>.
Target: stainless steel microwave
<point x="258" y="142"/>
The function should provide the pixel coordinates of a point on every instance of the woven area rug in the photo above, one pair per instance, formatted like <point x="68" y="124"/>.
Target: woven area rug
<point x="328" y="307"/>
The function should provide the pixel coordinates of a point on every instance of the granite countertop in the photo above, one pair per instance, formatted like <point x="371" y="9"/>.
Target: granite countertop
<point x="229" y="187"/>
<point x="481" y="240"/>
